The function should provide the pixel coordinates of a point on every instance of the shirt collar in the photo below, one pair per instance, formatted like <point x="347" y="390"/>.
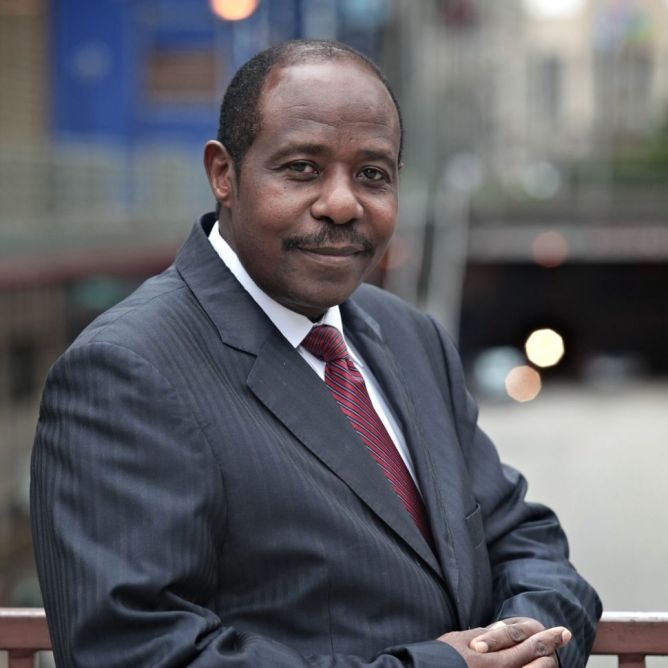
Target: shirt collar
<point x="294" y="326"/>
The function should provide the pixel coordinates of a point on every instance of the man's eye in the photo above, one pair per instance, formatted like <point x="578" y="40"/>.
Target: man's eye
<point x="302" y="167"/>
<point x="373" y="174"/>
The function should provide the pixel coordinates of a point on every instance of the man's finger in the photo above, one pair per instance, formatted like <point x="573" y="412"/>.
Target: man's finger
<point x="541" y="645"/>
<point x="544" y="662"/>
<point x="520" y="639"/>
<point x="506" y="633"/>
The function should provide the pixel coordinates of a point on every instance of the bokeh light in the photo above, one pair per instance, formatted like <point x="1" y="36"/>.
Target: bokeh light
<point x="398" y="253"/>
<point x="554" y="9"/>
<point x="523" y="383"/>
<point x="549" y="249"/>
<point x="541" y="180"/>
<point x="234" y="10"/>
<point x="544" y="347"/>
<point x="491" y="368"/>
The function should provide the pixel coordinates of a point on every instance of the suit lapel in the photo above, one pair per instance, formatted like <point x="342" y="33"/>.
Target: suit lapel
<point x="239" y="321"/>
<point x="433" y="483"/>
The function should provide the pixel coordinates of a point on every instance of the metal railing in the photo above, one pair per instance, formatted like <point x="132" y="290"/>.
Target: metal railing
<point x="23" y="632"/>
<point x="631" y="636"/>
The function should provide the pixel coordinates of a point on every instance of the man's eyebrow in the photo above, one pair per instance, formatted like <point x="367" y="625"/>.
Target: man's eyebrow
<point x="379" y="155"/>
<point x="314" y="149"/>
<point x="302" y="148"/>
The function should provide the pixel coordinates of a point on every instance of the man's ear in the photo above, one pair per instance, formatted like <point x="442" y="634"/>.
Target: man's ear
<point x="220" y="169"/>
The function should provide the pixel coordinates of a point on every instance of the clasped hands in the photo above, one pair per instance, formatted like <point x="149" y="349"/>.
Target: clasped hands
<point x="518" y="642"/>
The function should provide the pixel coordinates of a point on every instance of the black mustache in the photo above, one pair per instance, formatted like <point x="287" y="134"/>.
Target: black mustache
<point x="333" y="235"/>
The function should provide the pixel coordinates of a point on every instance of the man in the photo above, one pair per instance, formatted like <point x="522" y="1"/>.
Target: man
<point x="254" y="461"/>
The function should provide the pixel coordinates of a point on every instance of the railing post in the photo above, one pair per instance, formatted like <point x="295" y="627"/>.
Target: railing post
<point x="23" y="632"/>
<point x="628" y="661"/>
<point x="21" y="659"/>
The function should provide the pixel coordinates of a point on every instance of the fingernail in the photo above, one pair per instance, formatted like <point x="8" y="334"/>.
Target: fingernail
<point x="479" y="646"/>
<point x="566" y="635"/>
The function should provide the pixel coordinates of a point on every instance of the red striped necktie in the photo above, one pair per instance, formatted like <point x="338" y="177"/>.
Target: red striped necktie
<point x="349" y="390"/>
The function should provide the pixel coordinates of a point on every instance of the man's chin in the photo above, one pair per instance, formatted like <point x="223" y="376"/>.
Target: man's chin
<point x="315" y="306"/>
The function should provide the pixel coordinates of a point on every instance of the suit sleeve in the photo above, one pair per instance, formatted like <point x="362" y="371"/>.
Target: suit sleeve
<point x="528" y="550"/>
<point x="129" y="515"/>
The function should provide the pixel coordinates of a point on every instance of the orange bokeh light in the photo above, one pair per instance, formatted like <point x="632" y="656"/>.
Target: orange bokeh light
<point x="550" y="249"/>
<point x="234" y="10"/>
<point x="396" y="255"/>
<point x="523" y="383"/>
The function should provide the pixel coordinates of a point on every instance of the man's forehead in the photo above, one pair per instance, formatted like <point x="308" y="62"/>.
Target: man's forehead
<point x="336" y="91"/>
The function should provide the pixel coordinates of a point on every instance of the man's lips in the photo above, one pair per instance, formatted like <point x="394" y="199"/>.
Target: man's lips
<point x="333" y="251"/>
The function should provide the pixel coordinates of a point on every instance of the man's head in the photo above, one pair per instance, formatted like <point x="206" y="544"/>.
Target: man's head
<point x="307" y="194"/>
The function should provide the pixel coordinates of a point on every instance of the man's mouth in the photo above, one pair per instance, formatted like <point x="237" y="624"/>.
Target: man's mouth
<point x="334" y="251"/>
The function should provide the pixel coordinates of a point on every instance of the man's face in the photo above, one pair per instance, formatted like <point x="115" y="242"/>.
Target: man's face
<point x="316" y="200"/>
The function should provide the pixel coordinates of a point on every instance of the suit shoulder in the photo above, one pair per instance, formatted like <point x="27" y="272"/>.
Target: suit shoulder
<point x="389" y="309"/>
<point x="150" y="313"/>
<point x="403" y="322"/>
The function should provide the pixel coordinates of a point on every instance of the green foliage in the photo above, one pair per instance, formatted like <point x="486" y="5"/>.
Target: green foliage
<point x="643" y="163"/>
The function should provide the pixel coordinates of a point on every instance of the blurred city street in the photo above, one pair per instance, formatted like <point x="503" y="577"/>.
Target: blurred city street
<point x="598" y="458"/>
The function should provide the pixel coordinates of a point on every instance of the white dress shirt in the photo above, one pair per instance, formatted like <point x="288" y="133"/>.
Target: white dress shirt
<point x="295" y="326"/>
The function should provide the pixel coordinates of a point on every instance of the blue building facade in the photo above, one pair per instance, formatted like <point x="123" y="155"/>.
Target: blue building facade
<point x="131" y="71"/>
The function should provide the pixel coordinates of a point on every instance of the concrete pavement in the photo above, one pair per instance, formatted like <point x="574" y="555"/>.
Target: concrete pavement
<point x="599" y="457"/>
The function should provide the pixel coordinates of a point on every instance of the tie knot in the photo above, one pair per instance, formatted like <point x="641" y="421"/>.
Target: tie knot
<point x="326" y="343"/>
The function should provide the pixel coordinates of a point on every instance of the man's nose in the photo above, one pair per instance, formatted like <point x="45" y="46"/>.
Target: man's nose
<point x="337" y="200"/>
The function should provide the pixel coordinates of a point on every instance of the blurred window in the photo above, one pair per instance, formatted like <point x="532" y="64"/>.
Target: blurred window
<point x="22" y="370"/>
<point x="546" y="85"/>
<point x="459" y="14"/>
<point x="635" y="88"/>
<point x="178" y="76"/>
<point x="623" y="88"/>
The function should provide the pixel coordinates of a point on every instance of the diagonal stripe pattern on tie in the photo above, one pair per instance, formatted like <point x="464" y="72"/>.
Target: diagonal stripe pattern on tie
<point x="349" y="390"/>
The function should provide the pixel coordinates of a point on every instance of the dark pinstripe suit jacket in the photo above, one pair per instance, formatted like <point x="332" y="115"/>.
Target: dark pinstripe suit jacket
<point x="199" y="499"/>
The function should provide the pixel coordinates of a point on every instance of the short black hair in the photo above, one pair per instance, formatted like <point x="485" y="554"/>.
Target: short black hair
<point x="239" y="121"/>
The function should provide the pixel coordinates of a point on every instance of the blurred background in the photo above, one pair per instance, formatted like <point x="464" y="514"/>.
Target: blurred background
<point x="533" y="222"/>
